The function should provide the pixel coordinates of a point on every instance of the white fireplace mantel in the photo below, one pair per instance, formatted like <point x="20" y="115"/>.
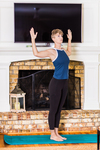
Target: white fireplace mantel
<point x="90" y="56"/>
<point x="85" y="54"/>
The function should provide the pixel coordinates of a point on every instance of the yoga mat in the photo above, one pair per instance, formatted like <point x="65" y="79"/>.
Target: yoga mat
<point x="45" y="139"/>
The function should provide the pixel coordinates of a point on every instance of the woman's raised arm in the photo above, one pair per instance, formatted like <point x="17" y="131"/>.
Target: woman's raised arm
<point x="41" y="54"/>
<point x="69" y="36"/>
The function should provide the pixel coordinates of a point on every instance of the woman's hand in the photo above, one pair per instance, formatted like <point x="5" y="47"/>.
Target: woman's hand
<point x="33" y="36"/>
<point x="69" y="35"/>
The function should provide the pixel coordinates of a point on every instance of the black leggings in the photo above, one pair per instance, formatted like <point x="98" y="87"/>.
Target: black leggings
<point x="58" y="92"/>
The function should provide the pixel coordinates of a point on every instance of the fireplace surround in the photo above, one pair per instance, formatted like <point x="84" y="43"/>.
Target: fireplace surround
<point x="36" y="71"/>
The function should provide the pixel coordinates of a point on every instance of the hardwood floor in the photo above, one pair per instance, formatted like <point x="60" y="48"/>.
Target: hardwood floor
<point x="4" y="146"/>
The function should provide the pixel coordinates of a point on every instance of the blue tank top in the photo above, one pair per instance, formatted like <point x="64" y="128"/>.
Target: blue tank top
<point x="61" y="63"/>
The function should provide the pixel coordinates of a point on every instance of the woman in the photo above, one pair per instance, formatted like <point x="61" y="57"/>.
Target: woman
<point x="59" y="83"/>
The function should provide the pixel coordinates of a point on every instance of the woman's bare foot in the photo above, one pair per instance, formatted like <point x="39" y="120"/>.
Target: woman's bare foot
<point x="63" y="138"/>
<point x="56" y="132"/>
<point x="56" y="138"/>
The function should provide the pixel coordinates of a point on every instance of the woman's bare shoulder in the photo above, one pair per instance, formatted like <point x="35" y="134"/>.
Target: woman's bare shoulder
<point x="52" y="53"/>
<point x="51" y="50"/>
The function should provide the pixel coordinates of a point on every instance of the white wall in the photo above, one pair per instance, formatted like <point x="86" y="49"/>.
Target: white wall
<point x="99" y="23"/>
<point x="4" y="84"/>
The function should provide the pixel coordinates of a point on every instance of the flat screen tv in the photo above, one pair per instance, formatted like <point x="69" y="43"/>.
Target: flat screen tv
<point x="44" y="17"/>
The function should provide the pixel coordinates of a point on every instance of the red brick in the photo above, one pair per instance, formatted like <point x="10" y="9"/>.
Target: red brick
<point x="96" y="115"/>
<point x="2" y="126"/>
<point x="24" y="131"/>
<point x="68" y="124"/>
<point x="94" y="128"/>
<point x="73" y="129"/>
<point x="46" y="129"/>
<point x="18" y="126"/>
<point x="13" y="131"/>
<point x="5" y="117"/>
<point x="79" y="124"/>
<point x="3" y="122"/>
<point x="97" y="123"/>
<point x="90" y="124"/>
<point x="86" y="120"/>
<point x="75" y="115"/>
<point x="19" y="116"/>
<point x="65" y="129"/>
<point x="10" y="116"/>
<point x="34" y="130"/>
<point x="28" y="115"/>
<point x="45" y="115"/>
<point x="73" y="120"/>
<point x="39" y="130"/>
<point x="85" y="128"/>
<point x="23" y="116"/>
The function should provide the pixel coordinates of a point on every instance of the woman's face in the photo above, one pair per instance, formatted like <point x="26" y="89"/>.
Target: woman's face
<point x="58" y="38"/>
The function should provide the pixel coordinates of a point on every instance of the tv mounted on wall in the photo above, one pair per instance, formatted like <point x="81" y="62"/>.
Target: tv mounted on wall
<point x="44" y="17"/>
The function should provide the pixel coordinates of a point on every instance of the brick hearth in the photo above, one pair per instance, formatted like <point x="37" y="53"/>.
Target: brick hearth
<point x="37" y="121"/>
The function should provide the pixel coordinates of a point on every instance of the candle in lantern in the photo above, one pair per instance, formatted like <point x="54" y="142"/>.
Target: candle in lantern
<point x="17" y="105"/>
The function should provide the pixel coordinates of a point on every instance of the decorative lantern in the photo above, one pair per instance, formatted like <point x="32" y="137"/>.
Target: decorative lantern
<point x="17" y="100"/>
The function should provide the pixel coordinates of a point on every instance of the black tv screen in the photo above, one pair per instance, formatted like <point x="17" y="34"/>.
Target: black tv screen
<point x="44" y="18"/>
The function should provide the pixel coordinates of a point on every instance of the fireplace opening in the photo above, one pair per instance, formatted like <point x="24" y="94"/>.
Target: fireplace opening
<point x="35" y="84"/>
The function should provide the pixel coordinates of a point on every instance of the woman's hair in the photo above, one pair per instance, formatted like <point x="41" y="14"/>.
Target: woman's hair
<point x="55" y="31"/>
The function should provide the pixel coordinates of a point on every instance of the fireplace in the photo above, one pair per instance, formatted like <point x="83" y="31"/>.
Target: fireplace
<point x="35" y="84"/>
<point x="25" y="72"/>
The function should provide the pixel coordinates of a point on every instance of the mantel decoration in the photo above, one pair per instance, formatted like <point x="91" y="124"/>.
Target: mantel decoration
<point x="17" y="100"/>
